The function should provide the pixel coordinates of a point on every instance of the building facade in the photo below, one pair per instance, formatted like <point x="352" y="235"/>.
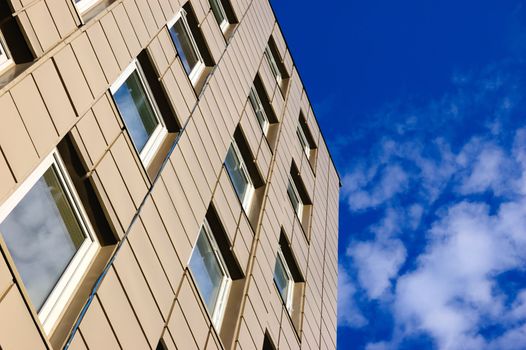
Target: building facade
<point x="163" y="180"/>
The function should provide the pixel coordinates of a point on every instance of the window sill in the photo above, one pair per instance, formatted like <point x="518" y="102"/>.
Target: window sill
<point x="11" y="73"/>
<point x="228" y="31"/>
<point x="157" y="161"/>
<point x="199" y="81"/>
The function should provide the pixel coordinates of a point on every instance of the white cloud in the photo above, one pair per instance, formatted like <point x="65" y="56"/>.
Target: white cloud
<point x="453" y="292"/>
<point x="378" y="263"/>
<point x="348" y="313"/>
<point x="388" y="182"/>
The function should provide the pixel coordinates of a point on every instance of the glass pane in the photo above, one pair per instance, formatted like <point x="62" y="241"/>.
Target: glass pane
<point x="236" y="173"/>
<point x="303" y="140"/>
<point x="272" y="63"/>
<point x="136" y="110"/>
<point x="258" y="109"/>
<point x="217" y="9"/>
<point x="206" y="271"/>
<point x="185" y="48"/>
<point x="282" y="279"/>
<point x="293" y="197"/>
<point x="42" y="234"/>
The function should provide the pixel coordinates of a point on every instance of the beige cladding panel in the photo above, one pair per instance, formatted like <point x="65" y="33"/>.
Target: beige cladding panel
<point x="17" y="330"/>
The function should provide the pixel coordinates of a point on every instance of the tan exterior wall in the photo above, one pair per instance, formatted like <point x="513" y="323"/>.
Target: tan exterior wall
<point x="147" y="293"/>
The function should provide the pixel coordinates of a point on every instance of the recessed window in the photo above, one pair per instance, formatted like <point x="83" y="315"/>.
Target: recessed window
<point x="257" y="106"/>
<point x="303" y="140"/>
<point x="284" y="280"/>
<point x="186" y="46"/>
<point x="210" y="273"/>
<point x="6" y="60"/>
<point x="239" y="175"/>
<point x="295" y="198"/>
<point x="49" y="238"/>
<point x="219" y="13"/>
<point x="272" y="62"/>
<point x="289" y="281"/>
<point x="84" y="5"/>
<point x="139" y="111"/>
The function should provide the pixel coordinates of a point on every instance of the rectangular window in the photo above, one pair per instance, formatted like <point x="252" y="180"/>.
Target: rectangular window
<point x="84" y="5"/>
<point x="239" y="175"/>
<point x="139" y="111"/>
<point x="283" y="279"/>
<point x="303" y="140"/>
<point x="5" y="57"/>
<point x="49" y="238"/>
<point x="186" y="46"/>
<point x="219" y="14"/>
<point x="210" y="273"/>
<point x="257" y="106"/>
<point x="295" y="198"/>
<point x="273" y="64"/>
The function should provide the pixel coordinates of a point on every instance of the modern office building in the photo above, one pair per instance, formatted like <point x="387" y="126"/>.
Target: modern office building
<point x="163" y="180"/>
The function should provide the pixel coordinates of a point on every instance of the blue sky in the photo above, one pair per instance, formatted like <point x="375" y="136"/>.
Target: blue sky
<point x="423" y="104"/>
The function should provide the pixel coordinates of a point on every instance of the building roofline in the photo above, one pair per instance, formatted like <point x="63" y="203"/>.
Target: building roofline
<point x="307" y="94"/>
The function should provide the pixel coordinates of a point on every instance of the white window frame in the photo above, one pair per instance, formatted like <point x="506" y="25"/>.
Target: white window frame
<point x="85" y="5"/>
<point x="224" y="24"/>
<point x="246" y="201"/>
<point x="273" y="64"/>
<point x="58" y="299"/>
<point x="196" y="72"/>
<point x="290" y="286"/>
<point x="226" y="282"/>
<point x="154" y="142"/>
<point x="299" y="209"/>
<point x="303" y="140"/>
<point x="259" y="107"/>
<point x="6" y="61"/>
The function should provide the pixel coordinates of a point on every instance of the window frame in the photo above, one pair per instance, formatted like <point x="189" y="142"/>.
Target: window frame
<point x="156" y="138"/>
<point x="273" y="64"/>
<point x="64" y="289"/>
<point x="6" y="60"/>
<point x="226" y="282"/>
<point x="84" y="5"/>
<point x="303" y="140"/>
<point x="299" y="209"/>
<point x="290" y="284"/>
<point x="247" y="200"/>
<point x="266" y="122"/>
<point x="200" y="66"/>
<point x="225" y="23"/>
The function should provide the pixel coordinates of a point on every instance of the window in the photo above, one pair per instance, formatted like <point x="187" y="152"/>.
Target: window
<point x="295" y="198"/>
<point x="210" y="273"/>
<point x="186" y="46"/>
<point x="49" y="237"/>
<point x="219" y="14"/>
<point x="273" y="64"/>
<point x="289" y="281"/>
<point x="283" y="279"/>
<point x="139" y="111"/>
<point x="84" y="5"/>
<point x="303" y="140"/>
<point x="5" y="57"/>
<point x="257" y="106"/>
<point x="239" y="175"/>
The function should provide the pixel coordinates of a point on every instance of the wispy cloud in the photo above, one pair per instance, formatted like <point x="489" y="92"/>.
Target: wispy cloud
<point x="446" y="199"/>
